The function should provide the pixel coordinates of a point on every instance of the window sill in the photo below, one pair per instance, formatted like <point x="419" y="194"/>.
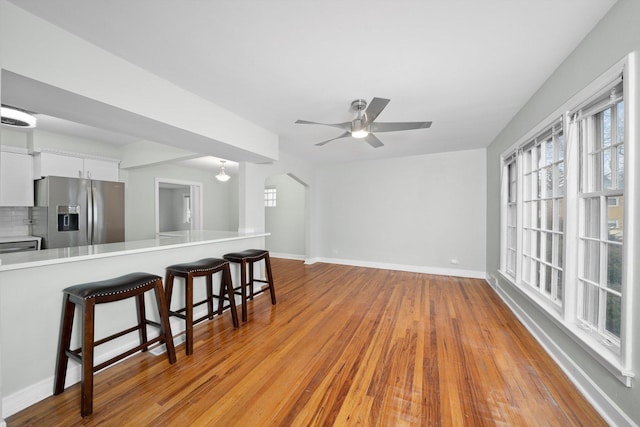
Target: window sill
<point x="608" y="357"/>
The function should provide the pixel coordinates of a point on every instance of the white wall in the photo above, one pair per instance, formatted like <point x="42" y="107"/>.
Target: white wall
<point x="286" y="221"/>
<point x="417" y="213"/>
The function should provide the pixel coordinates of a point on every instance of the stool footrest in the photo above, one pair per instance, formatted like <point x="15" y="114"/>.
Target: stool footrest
<point x="126" y="354"/>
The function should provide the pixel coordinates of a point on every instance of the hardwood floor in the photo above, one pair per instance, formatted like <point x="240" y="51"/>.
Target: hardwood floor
<point x="343" y="346"/>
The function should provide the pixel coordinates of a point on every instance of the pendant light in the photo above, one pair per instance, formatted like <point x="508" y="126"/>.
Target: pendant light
<point x="222" y="175"/>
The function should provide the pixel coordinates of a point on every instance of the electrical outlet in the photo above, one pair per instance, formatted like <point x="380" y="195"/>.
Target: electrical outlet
<point x="454" y="261"/>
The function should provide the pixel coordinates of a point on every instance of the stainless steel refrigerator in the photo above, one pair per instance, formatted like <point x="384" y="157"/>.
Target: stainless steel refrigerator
<point x="78" y="212"/>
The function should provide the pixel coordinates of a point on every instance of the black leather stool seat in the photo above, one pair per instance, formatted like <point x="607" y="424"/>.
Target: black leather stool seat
<point x="110" y="287"/>
<point x="249" y="255"/>
<point x="247" y="258"/>
<point x="87" y="295"/>
<point x="204" y="267"/>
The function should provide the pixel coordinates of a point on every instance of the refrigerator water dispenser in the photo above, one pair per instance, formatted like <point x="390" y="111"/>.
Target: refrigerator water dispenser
<point x="68" y="218"/>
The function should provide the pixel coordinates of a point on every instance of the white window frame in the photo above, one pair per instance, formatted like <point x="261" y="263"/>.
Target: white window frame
<point x="617" y="358"/>
<point x="270" y="197"/>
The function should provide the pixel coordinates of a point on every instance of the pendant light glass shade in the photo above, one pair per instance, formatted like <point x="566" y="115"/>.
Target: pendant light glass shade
<point x="222" y="175"/>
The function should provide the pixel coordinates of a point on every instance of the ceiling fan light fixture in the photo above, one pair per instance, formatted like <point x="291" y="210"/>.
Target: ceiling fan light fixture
<point x="362" y="133"/>
<point x="17" y="118"/>
<point x="222" y="175"/>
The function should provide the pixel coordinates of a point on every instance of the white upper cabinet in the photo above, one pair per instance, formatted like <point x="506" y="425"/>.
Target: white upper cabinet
<point x="74" y="166"/>
<point x="16" y="179"/>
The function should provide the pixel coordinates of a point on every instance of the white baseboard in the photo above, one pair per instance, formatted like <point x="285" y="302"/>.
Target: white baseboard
<point x="457" y="272"/>
<point x="605" y="406"/>
<point x="286" y="256"/>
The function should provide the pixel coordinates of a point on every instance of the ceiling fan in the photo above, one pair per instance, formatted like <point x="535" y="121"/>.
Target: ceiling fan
<point x="364" y="125"/>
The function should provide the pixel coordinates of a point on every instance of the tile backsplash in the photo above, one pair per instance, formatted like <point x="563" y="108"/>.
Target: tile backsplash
<point x="14" y="221"/>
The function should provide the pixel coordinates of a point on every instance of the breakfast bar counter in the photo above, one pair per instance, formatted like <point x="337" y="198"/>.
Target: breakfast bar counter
<point x="31" y="285"/>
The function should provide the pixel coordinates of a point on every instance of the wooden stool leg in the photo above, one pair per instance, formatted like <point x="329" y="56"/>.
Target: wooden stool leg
<point x="62" y="360"/>
<point x="227" y="284"/>
<point x="272" y="291"/>
<point x="142" y="319"/>
<point x="210" y="295"/>
<point x="250" y="280"/>
<point x="168" y="289"/>
<point x="189" y="311"/>
<point x="86" y="399"/>
<point x="165" y="326"/>
<point x="243" y="288"/>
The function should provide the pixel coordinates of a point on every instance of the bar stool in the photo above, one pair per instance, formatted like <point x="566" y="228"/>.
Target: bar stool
<point x="204" y="267"/>
<point x="87" y="296"/>
<point x="250" y="257"/>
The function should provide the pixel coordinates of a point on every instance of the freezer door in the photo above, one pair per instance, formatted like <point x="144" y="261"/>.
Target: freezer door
<point x="107" y="212"/>
<point x="65" y="200"/>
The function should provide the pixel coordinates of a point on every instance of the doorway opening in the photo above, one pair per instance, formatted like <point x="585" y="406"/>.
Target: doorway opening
<point x="178" y="205"/>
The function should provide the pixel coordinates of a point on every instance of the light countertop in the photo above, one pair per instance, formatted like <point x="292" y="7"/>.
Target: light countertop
<point x="164" y="241"/>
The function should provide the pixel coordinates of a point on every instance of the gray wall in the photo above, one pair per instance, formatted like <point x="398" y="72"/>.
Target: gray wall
<point x="170" y="205"/>
<point x="420" y="211"/>
<point x="611" y="40"/>
<point x="286" y="221"/>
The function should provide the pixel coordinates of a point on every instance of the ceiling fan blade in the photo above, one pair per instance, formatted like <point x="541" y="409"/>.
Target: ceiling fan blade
<point x="373" y="141"/>
<point x="344" y="135"/>
<point x="396" y="126"/>
<point x="343" y="126"/>
<point x="375" y="108"/>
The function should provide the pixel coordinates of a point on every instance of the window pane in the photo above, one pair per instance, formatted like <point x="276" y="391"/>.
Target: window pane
<point x="614" y="267"/>
<point x="606" y="169"/>
<point x="620" y="120"/>
<point x="560" y="147"/>
<point x="621" y="167"/>
<point x="547" y="279"/>
<point x="548" y="152"/>
<point x="560" y="250"/>
<point x="558" y="285"/>
<point x="559" y="178"/>
<point x="615" y="218"/>
<point x="614" y="314"/>
<point x="541" y="183"/>
<point x="548" y="246"/>
<point x="548" y="173"/>
<point x="538" y="206"/>
<point x="590" y="305"/>
<point x="548" y="214"/>
<point x="559" y="215"/>
<point x="591" y="269"/>
<point x="605" y="123"/>
<point x="592" y="217"/>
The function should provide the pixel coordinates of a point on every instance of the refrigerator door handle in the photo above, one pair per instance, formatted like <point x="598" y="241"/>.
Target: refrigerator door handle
<point x="90" y="215"/>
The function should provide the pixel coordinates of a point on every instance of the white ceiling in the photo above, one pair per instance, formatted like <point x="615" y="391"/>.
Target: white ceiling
<point x="466" y="65"/>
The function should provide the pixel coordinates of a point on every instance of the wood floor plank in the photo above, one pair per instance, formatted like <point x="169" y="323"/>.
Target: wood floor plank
<point x="343" y="346"/>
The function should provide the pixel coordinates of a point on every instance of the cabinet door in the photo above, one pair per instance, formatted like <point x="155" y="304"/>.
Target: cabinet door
<point x="16" y="179"/>
<point x="51" y="164"/>
<point x="103" y="170"/>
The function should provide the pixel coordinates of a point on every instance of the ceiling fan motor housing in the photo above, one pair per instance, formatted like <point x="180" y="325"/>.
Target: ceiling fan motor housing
<point x="358" y="105"/>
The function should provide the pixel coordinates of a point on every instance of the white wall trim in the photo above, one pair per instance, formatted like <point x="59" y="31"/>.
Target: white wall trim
<point x="605" y="406"/>
<point x="286" y="256"/>
<point x="402" y="267"/>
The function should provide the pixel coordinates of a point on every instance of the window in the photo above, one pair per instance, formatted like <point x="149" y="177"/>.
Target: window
<point x="511" y="214"/>
<point x="601" y="228"/>
<point x="270" y="197"/>
<point x="563" y="221"/>
<point x="543" y="212"/>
